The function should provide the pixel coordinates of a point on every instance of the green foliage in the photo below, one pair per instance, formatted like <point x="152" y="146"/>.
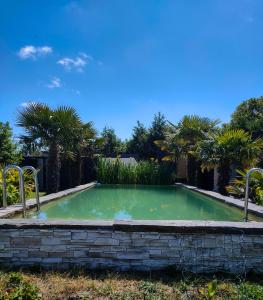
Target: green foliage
<point x="234" y="146"/>
<point x="149" y="289"/>
<point x="9" y="152"/>
<point x="12" y="186"/>
<point x="238" y="184"/>
<point x="58" y="130"/>
<point x="211" y="289"/>
<point x="16" y="288"/>
<point x="248" y="291"/>
<point x="182" y="140"/>
<point x="193" y="129"/>
<point x="139" y="141"/>
<point x="144" y="172"/>
<point x="46" y="125"/>
<point x="143" y="139"/>
<point x="228" y="147"/>
<point x="249" y="116"/>
<point x="112" y="145"/>
<point x="156" y="132"/>
<point x="15" y="278"/>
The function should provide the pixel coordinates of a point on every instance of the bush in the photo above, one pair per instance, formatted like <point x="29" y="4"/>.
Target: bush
<point x="144" y="172"/>
<point x="12" y="186"/>
<point x="238" y="184"/>
<point x="14" y="287"/>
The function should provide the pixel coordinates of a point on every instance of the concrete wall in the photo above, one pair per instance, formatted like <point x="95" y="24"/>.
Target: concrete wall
<point x="192" y="246"/>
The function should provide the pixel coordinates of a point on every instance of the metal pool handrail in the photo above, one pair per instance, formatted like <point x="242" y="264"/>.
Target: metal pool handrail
<point x="34" y="171"/>
<point x="247" y="189"/>
<point x="21" y="186"/>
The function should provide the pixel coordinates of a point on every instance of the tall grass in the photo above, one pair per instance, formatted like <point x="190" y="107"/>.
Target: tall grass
<point x="144" y="172"/>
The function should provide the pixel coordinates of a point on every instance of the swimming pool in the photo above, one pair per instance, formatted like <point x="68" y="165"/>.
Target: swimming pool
<point x="120" y="202"/>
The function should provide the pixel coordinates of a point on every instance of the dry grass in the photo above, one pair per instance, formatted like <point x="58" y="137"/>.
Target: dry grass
<point x="112" y="285"/>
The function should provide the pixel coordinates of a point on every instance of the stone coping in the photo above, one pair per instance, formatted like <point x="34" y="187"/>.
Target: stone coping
<point x="197" y="227"/>
<point x="12" y="210"/>
<point x="252" y="208"/>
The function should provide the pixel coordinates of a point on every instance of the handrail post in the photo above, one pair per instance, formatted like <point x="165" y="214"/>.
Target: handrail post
<point x="35" y="172"/>
<point x="248" y="175"/>
<point x="4" y="188"/>
<point x="21" y="186"/>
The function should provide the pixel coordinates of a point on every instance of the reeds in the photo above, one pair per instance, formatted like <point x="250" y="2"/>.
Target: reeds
<point x="144" y="172"/>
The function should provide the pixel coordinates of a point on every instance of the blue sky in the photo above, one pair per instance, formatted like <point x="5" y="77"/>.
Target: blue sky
<point x="122" y="61"/>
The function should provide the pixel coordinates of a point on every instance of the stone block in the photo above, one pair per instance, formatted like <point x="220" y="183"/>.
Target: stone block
<point x="5" y="254"/>
<point x="121" y="236"/>
<point x="52" y="260"/>
<point x="81" y="253"/>
<point x="50" y="241"/>
<point x="60" y="254"/>
<point x="133" y="255"/>
<point x="37" y="253"/>
<point x="25" y="241"/>
<point x="106" y="242"/>
<point x="81" y="235"/>
<point x="153" y="235"/>
<point x="49" y="248"/>
<point x="99" y="234"/>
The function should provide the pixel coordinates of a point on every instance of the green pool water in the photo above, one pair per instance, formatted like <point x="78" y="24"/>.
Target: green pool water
<point x="115" y="202"/>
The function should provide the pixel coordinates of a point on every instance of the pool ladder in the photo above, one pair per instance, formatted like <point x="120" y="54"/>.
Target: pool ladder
<point x="21" y="172"/>
<point x="248" y="175"/>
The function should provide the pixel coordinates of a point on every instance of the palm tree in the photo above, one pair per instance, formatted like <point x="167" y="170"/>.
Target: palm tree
<point x="54" y="129"/>
<point x="238" y="184"/>
<point x="182" y="139"/>
<point x="228" y="147"/>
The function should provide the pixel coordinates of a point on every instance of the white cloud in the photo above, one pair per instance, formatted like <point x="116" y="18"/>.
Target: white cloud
<point x="33" y="52"/>
<point x="78" y="63"/>
<point x="55" y="83"/>
<point x="25" y="104"/>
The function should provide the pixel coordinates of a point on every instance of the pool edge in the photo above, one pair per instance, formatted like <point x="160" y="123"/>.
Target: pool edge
<point x="252" y="208"/>
<point x="198" y="227"/>
<point x="13" y="210"/>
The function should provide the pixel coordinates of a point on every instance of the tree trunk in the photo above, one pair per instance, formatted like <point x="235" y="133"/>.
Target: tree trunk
<point x="53" y="169"/>
<point x="191" y="170"/>
<point x="76" y="180"/>
<point x="224" y="176"/>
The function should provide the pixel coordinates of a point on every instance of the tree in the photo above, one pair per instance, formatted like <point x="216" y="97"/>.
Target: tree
<point x="156" y="132"/>
<point x="9" y="152"/>
<point x="249" y="116"/>
<point x="51" y="128"/>
<point x="193" y="129"/>
<point x="112" y="145"/>
<point x="138" y="144"/>
<point x="83" y="145"/>
<point x="226" y="148"/>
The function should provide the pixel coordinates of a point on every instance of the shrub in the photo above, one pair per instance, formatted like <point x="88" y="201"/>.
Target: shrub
<point x="144" y="172"/>
<point x="238" y="184"/>
<point x="15" y="287"/>
<point x="12" y="186"/>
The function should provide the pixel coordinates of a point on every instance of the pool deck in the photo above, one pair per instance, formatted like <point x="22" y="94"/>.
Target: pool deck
<point x="12" y="210"/>
<point x="252" y="208"/>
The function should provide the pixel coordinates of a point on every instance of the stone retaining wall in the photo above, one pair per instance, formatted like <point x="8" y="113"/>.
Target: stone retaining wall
<point x="192" y="246"/>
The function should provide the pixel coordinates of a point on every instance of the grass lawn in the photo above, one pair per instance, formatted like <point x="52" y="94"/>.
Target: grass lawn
<point x="112" y="285"/>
